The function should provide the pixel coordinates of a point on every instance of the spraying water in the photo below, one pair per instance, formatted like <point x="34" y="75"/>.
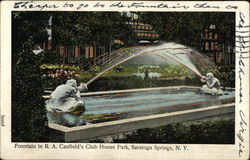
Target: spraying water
<point x="191" y="59"/>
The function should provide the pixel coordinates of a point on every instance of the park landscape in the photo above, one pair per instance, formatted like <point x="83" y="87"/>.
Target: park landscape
<point x="130" y="57"/>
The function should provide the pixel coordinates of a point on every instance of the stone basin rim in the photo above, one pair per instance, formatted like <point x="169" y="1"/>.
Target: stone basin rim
<point x="96" y="125"/>
<point x="195" y="88"/>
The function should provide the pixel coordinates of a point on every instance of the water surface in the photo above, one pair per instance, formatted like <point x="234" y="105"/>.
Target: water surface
<point x="109" y="107"/>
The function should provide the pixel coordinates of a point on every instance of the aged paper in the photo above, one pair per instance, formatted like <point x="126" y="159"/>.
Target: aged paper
<point x="79" y="150"/>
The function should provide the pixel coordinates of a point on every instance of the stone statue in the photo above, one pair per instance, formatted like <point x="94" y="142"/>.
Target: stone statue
<point x="212" y="85"/>
<point x="66" y="98"/>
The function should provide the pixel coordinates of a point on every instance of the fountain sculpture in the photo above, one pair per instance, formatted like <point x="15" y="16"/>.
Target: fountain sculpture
<point x="212" y="85"/>
<point x="66" y="98"/>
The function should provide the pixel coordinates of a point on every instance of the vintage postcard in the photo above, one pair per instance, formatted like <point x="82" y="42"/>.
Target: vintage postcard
<point x="124" y="80"/>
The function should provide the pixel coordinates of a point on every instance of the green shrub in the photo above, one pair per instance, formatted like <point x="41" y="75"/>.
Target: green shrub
<point x="51" y="57"/>
<point x="29" y="121"/>
<point x="95" y="69"/>
<point x="59" y="66"/>
<point x="118" y="83"/>
<point x="208" y="132"/>
<point x="85" y="63"/>
<point x="228" y="75"/>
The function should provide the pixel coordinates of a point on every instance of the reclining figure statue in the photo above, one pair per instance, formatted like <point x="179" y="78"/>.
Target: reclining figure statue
<point x="212" y="85"/>
<point x="66" y="98"/>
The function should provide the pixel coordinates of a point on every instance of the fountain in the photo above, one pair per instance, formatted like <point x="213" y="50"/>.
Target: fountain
<point x="191" y="59"/>
<point x="124" y="104"/>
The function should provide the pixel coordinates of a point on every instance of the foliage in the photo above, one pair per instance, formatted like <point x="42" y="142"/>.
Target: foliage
<point x="51" y="57"/>
<point x="29" y="121"/>
<point x="59" y="66"/>
<point x="25" y="25"/>
<point x="51" y="83"/>
<point x="83" y="28"/>
<point x="85" y="63"/>
<point x="91" y="29"/>
<point x="119" y="83"/>
<point x="166" y="71"/>
<point x="123" y="77"/>
<point x="69" y="28"/>
<point x="95" y="69"/>
<point x="117" y="46"/>
<point x="55" y="75"/>
<point x="208" y="132"/>
<point x="176" y="25"/>
<point x="228" y="75"/>
<point x="119" y="68"/>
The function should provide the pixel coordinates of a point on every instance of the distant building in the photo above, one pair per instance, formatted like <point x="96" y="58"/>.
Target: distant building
<point x="72" y="54"/>
<point x="144" y="32"/>
<point x="211" y="44"/>
<point x="218" y="51"/>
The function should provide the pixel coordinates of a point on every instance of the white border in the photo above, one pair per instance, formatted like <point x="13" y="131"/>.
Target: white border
<point x="195" y="151"/>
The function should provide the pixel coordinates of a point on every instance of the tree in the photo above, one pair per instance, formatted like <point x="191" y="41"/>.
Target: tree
<point x="25" y="25"/>
<point x="177" y="25"/>
<point x="29" y="122"/>
<point x="90" y="29"/>
<point x="71" y="28"/>
<point x="114" y="26"/>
